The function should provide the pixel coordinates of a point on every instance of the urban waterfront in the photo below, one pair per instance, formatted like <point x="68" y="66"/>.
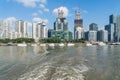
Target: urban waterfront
<point x="60" y="63"/>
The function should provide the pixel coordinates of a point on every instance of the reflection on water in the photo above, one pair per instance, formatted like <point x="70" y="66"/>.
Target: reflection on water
<point x="60" y="63"/>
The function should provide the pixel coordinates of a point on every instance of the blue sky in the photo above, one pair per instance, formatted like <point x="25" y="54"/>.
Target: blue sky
<point x="97" y="11"/>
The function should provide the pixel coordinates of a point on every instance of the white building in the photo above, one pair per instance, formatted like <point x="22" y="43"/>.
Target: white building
<point x="22" y="28"/>
<point x="39" y="31"/>
<point x="5" y="28"/>
<point x="79" y="33"/>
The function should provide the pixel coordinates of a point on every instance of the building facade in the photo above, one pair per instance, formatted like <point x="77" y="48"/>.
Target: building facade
<point x="93" y="26"/>
<point x="39" y="31"/>
<point x="115" y="19"/>
<point x="111" y="32"/>
<point x="78" y="27"/>
<point x="60" y="30"/>
<point x="5" y="29"/>
<point x="102" y="35"/>
<point x="21" y="27"/>
<point x="91" y="35"/>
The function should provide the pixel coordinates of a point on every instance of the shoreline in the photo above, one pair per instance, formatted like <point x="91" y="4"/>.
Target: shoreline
<point x="51" y="44"/>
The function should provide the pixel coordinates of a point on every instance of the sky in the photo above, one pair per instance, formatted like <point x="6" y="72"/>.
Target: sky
<point x="96" y="11"/>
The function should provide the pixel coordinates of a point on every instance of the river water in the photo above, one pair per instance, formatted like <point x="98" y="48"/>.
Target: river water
<point x="67" y="63"/>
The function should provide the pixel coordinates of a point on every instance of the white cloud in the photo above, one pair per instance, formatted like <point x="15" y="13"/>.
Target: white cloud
<point x="42" y="6"/>
<point x="45" y="21"/>
<point x="35" y="14"/>
<point x="62" y="8"/>
<point x="42" y="1"/>
<point x="29" y="24"/>
<point x="85" y="11"/>
<point x="82" y="11"/>
<point x="40" y="12"/>
<point x="46" y="10"/>
<point x="31" y="3"/>
<point x="11" y="19"/>
<point x="37" y="20"/>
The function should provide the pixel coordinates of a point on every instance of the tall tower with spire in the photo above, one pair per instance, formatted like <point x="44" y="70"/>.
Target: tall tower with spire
<point x="60" y="13"/>
<point x="60" y="30"/>
<point x="77" y="15"/>
<point x="61" y="23"/>
<point x="78" y="26"/>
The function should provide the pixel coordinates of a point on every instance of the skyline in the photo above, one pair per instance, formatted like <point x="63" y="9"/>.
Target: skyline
<point x="35" y="10"/>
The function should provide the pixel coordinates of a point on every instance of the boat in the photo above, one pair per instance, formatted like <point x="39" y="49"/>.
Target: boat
<point x="61" y="44"/>
<point x="101" y="44"/>
<point x="22" y="44"/>
<point x="70" y="44"/>
<point x="88" y="44"/>
<point x="10" y="44"/>
<point x="51" y="44"/>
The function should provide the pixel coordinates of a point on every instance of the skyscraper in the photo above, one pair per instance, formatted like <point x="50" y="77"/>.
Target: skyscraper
<point x="102" y="35"/>
<point x="115" y="19"/>
<point x="39" y="31"/>
<point x="5" y="28"/>
<point x="92" y="35"/>
<point x="60" y="30"/>
<point x="21" y="28"/>
<point x="111" y="31"/>
<point x="78" y="27"/>
<point x="93" y="26"/>
<point x="61" y="23"/>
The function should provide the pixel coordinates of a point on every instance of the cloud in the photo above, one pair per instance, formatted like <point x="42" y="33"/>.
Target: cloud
<point x="45" y="21"/>
<point x="13" y="19"/>
<point x="30" y="3"/>
<point x="35" y="14"/>
<point x="46" y="10"/>
<point x="64" y="9"/>
<point x="40" y="12"/>
<point x="29" y="24"/>
<point x="42" y="6"/>
<point x="37" y="20"/>
<point x="85" y="11"/>
<point x="82" y="11"/>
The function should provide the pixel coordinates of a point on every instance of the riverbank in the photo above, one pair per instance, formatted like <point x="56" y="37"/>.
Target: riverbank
<point x="37" y="44"/>
<point x="87" y="43"/>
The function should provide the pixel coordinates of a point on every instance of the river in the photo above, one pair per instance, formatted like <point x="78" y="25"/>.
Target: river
<point x="67" y="63"/>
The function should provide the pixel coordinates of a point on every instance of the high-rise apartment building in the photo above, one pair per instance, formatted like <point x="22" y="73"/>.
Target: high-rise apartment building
<point x="39" y="31"/>
<point x="21" y="27"/>
<point x="5" y="28"/>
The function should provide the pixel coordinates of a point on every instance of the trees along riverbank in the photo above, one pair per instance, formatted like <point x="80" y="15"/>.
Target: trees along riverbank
<point x="55" y="40"/>
<point x="31" y="40"/>
<point x="18" y="40"/>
